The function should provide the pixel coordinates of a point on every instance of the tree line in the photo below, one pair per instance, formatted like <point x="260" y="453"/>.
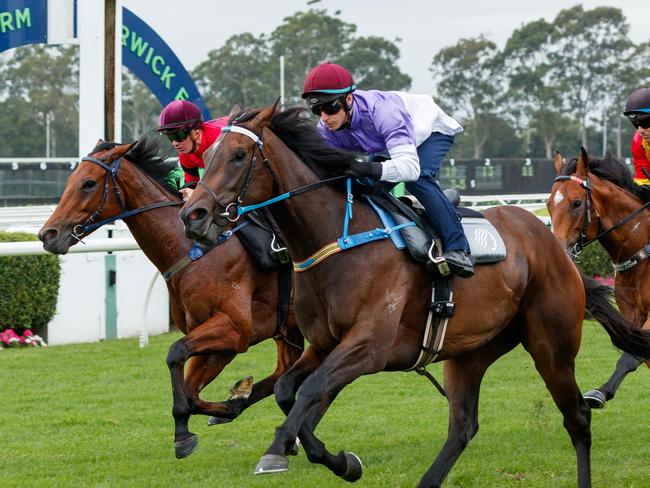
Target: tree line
<point x="555" y="84"/>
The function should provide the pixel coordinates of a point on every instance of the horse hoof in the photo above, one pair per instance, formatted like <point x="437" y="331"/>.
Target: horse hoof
<point x="218" y="420"/>
<point x="354" y="469"/>
<point x="186" y="447"/>
<point x="595" y="398"/>
<point x="295" y="449"/>
<point x="272" y="463"/>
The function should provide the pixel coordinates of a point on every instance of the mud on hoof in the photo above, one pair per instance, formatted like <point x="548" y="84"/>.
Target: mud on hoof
<point x="272" y="463"/>
<point x="186" y="447"/>
<point x="218" y="420"/>
<point x="354" y="469"/>
<point x="595" y="398"/>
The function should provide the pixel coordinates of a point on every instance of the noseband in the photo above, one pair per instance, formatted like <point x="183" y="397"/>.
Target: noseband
<point x="81" y="230"/>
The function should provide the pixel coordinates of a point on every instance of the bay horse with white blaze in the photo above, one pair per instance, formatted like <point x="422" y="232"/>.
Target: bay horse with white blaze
<point x="597" y="200"/>
<point x="364" y="310"/>
<point x="222" y="302"/>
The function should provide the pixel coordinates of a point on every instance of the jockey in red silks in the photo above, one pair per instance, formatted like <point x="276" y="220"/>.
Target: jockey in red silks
<point x="182" y="122"/>
<point x="637" y="110"/>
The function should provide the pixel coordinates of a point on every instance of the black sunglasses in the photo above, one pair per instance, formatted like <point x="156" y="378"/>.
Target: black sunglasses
<point x="178" y="135"/>
<point x="330" y="108"/>
<point x="643" y="124"/>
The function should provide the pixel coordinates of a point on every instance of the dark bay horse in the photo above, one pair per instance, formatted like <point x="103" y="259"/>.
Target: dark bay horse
<point x="222" y="302"/>
<point x="364" y="310"/>
<point x="597" y="199"/>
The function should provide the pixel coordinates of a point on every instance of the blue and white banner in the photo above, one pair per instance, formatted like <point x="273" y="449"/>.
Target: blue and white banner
<point x="22" y="22"/>
<point x="151" y="60"/>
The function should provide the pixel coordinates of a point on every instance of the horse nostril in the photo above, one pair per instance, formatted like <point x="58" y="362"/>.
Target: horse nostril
<point x="48" y="235"/>
<point x="197" y="214"/>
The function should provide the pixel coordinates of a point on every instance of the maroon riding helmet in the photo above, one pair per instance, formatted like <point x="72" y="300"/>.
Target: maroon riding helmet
<point x="180" y="114"/>
<point x="326" y="82"/>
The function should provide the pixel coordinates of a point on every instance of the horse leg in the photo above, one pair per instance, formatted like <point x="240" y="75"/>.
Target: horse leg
<point x="463" y="378"/>
<point x="216" y="335"/>
<point x="288" y="354"/>
<point x="349" y="360"/>
<point x="626" y="364"/>
<point x="553" y="345"/>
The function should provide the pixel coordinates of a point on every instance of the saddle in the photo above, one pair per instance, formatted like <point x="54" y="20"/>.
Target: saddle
<point x="486" y="244"/>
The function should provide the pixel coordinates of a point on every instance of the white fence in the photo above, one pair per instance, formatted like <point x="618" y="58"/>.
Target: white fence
<point x="83" y="313"/>
<point x="142" y="300"/>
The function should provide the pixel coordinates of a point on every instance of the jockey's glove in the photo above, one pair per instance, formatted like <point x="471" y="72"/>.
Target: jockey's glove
<point x="360" y="169"/>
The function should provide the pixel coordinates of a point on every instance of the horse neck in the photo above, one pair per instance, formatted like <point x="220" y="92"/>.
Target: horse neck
<point x="158" y="232"/>
<point x="614" y="204"/>
<point x="313" y="219"/>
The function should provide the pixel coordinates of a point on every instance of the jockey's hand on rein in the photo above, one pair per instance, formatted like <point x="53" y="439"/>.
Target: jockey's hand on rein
<point x="359" y="169"/>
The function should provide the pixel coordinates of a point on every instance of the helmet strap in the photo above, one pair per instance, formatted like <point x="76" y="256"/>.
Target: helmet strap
<point x="348" y="113"/>
<point x="195" y="141"/>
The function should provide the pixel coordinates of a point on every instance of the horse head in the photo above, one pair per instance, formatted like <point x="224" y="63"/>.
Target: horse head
<point x="570" y="204"/>
<point x="91" y="191"/>
<point x="237" y="172"/>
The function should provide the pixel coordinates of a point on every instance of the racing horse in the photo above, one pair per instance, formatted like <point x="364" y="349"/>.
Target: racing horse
<point x="363" y="310"/>
<point x="597" y="200"/>
<point x="222" y="302"/>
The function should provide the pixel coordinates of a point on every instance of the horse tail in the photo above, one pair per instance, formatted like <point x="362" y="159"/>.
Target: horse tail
<point x="624" y="335"/>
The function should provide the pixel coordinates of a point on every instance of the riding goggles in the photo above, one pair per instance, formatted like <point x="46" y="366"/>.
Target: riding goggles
<point x="330" y="108"/>
<point x="643" y="124"/>
<point x="178" y="135"/>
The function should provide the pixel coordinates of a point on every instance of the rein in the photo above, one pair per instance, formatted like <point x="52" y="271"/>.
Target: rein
<point x="582" y="242"/>
<point x="234" y="210"/>
<point x="79" y="231"/>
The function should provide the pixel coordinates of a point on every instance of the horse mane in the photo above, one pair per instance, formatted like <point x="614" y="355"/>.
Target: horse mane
<point x="299" y="134"/>
<point x="145" y="155"/>
<point x="611" y="169"/>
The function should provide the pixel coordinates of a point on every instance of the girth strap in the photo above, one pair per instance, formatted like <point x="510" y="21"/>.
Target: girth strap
<point x="441" y="310"/>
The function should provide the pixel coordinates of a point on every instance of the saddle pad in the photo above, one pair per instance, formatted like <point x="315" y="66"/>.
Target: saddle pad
<point x="486" y="244"/>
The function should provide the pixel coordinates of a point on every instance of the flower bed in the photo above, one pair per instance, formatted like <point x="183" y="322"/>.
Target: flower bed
<point x="10" y="339"/>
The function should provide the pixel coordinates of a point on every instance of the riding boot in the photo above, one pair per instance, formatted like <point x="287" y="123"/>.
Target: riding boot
<point x="460" y="263"/>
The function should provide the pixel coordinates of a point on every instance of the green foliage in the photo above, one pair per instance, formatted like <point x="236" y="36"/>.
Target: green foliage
<point x="594" y="260"/>
<point x="29" y="286"/>
<point x="246" y="69"/>
<point x="39" y="82"/>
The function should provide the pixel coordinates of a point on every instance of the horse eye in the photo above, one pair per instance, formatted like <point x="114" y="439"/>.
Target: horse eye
<point x="89" y="185"/>
<point x="576" y="204"/>
<point x="239" y="156"/>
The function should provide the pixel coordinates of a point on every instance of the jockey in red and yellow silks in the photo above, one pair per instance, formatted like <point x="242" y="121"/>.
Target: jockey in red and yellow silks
<point x="641" y="158"/>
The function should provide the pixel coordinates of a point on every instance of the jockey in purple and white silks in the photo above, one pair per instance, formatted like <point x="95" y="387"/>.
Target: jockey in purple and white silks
<point x="412" y="131"/>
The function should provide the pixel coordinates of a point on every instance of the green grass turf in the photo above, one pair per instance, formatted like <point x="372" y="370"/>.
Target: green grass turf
<point x="99" y="415"/>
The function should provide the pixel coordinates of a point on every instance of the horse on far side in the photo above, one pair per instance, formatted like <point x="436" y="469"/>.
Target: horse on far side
<point x="593" y="200"/>
<point x="222" y="302"/>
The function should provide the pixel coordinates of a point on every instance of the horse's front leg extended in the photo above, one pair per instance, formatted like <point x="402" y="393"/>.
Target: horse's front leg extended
<point x="343" y="365"/>
<point x="217" y="336"/>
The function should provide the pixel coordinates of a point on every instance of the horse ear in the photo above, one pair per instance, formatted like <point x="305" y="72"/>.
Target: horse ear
<point x="559" y="162"/>
<point x="265" y="116"/>
<point x="119" y="151"/>
<point x="582" y="167"/>
<point x="236" y="108"/>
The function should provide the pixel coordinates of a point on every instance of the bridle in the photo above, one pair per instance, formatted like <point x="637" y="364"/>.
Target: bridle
<point x="582" y="239"/>
<point x="234" y="210"/>
<point x="81" y="230"/>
